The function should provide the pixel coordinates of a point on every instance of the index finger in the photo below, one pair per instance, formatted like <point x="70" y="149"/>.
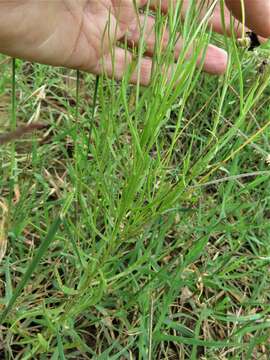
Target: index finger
<point x="257" y="14"/>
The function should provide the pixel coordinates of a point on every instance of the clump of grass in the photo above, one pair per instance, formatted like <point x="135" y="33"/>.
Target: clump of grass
<point x="163" y="194"/>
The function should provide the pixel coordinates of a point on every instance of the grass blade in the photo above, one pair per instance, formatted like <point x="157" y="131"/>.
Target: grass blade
<point x="39" y="254"/>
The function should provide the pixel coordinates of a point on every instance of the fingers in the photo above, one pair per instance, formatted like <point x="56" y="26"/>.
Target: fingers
<point x="117" y="65"/>
<point x="203" y="6"/>
<point x="257" y="14"/>
<point x="216" y="23"/>
<point x="215" y="61"/>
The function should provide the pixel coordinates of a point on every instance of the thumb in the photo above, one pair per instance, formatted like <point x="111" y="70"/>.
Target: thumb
<point x="257" y="14"/>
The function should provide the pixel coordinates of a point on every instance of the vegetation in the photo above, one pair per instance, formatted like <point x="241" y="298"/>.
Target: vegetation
<point x="136" y="226"/>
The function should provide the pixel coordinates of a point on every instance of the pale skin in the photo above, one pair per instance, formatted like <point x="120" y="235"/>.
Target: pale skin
<point x="70" y="33"/>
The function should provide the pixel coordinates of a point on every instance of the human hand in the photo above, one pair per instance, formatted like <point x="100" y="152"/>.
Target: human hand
<point x="75" y="33"/>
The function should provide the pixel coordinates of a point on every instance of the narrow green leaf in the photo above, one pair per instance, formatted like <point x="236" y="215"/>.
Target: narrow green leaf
<point x="31" y="268"/>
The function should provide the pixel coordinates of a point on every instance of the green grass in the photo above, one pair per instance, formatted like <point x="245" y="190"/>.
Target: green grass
<point x="138" y="226"/>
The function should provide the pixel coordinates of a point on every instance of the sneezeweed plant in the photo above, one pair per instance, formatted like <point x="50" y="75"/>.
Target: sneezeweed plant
<point x="143" y="254"/>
